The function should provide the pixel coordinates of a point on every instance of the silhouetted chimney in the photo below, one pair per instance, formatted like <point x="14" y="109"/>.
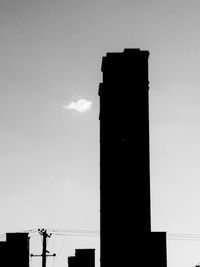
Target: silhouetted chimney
<point x="124" y="160"/>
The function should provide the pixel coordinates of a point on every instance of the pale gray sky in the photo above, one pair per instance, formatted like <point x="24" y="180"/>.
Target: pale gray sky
<point x="50" y="56"/>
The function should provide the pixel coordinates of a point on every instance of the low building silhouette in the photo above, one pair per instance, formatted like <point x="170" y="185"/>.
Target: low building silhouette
<point x="125" y="205"/>
<point x="83" y="257"/>
<point x="15" y="250"/>
<point x="3" y="253"/>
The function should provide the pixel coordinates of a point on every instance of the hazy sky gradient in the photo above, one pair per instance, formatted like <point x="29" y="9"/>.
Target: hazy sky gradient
<point x="50" y="55"/>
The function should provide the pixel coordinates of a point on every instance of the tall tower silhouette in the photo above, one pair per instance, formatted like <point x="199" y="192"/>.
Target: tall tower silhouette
<point x="124" y="163"/>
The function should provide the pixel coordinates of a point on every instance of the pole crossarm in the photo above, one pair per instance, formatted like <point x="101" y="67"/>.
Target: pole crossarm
<point x="32" y="255"/>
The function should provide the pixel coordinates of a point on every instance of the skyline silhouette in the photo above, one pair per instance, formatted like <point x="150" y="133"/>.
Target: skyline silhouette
<point x="51" y="54"/>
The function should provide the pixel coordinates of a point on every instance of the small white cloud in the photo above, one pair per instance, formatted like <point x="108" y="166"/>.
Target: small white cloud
<point x="82" y="105"/>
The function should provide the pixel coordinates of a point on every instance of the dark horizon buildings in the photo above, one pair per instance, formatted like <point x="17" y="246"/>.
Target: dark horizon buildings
<point x="15" y="250"/>
<point x="82" y="258"/>
<point x="126" y="237"/>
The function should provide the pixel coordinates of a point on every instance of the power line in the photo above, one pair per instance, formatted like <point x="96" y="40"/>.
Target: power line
<point x="184" y="234"/>
<point x="54" y="241"/>
<point x="84" y="235"/>
<point x="61" y="247"/>
<point x="74" y="231"/>
<point x="179" y="239"/>
<point x="53" y="231"/>
<point x="183" y="237"/>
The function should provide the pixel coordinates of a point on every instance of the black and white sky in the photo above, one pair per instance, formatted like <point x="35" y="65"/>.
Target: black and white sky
<point x="50" y="68"/>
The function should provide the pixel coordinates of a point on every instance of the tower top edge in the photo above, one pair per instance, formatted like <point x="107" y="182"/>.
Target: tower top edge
<point x="129" y="51"/>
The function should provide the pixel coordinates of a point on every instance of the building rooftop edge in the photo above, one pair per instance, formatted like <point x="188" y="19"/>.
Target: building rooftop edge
<point x="128" y="50"/>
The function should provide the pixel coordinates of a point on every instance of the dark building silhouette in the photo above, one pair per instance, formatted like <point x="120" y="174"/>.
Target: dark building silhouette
<point x="82" y="258"/>
<point x="126" y="236"/>
<point x="15" y="250"/>
<point x="3" y="253"/>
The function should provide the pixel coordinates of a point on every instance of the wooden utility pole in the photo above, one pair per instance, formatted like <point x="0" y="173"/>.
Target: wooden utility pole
<point x="44" y="254"/>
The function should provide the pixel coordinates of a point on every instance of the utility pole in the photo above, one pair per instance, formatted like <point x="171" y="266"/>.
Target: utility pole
<point x="44" y="254"/>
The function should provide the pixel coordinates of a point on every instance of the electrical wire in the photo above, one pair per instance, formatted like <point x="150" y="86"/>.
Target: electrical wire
<point x="78" y="235"/>
<point x="93" y="233"/>
<point x="41" y="239"/>
<point x="73" y="230"/>
<point x="61" y="247"/>
<point x="53" y="244"/>
<point x="53" y="261"/>
<point x="183" y="237"/>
